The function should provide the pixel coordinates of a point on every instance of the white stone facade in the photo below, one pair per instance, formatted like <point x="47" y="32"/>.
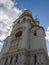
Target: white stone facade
<point x="26" y="45"/>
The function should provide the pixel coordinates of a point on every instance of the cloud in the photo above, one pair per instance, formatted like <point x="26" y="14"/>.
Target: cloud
<point x="8" y="14"/>
<point x="47" y="38"/>
<point x="1" y="44"/>
<point x="9" y="8"/>
<point x="48" y="53"/>
<point x="47" y="34"/>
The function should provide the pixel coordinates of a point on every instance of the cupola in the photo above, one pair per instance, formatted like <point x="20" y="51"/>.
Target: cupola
<point x="36" y="20"/>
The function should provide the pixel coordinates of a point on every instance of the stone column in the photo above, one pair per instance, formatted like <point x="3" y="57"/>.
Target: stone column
<point x="32" y="60"/>
<point x="19" y="59"/>
<point x="14" y="59"/>
<point x="3" y="61"/>
<point x="8" y="60"/>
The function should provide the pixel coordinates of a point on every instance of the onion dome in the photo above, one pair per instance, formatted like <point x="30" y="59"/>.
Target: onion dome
<point x="36" y="20"/>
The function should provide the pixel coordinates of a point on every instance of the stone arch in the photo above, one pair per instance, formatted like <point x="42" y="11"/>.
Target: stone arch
<point x="18" y="34"/>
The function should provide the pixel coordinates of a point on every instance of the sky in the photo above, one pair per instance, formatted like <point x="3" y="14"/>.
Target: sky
<point x="10" y="10"/>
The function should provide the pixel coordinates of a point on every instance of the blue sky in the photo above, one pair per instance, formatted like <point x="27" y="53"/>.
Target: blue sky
<point x="39" y="8"/>
<point x="9" y="11"/>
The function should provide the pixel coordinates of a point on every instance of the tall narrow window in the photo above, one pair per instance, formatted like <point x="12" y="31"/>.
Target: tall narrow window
<point x="16" y="59"/>
<point x="35" y="33"/>
<point x="35" y="59"/>
<point x="11" y="59"/>
<point x="6" y="61"/>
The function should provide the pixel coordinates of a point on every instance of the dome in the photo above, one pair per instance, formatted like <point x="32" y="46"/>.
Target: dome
<point x="27" y="12"/>
<point x="36" y="20"/>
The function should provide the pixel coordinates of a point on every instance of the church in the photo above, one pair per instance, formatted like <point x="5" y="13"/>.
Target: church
<point x="26" y="44"/>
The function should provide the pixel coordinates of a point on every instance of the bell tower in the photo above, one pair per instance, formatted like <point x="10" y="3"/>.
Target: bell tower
<point x="26" y="45"/>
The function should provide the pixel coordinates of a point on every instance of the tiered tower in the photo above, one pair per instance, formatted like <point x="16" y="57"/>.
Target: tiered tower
<point x="26" y="44"/>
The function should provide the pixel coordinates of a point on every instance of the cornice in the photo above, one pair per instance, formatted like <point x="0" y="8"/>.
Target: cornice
<point x="26" y="52"/>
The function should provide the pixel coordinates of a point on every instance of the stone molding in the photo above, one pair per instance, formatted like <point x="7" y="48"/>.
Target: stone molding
<point x="24" y="51"/>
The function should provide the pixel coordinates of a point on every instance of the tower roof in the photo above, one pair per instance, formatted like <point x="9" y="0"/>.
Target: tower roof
<point x="36" y="20"/>
<point x="26" y="12"/>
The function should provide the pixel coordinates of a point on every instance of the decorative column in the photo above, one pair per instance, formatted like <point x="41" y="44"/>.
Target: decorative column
<point x="3" y="61"/>
<point x="14" y="59"/>
<point x="8" y="60"/>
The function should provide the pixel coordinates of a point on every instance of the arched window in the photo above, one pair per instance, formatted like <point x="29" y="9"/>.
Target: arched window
<point x="35" y="33"/>
<point x="16" y="58"/>
<point x="18" y="34"/>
